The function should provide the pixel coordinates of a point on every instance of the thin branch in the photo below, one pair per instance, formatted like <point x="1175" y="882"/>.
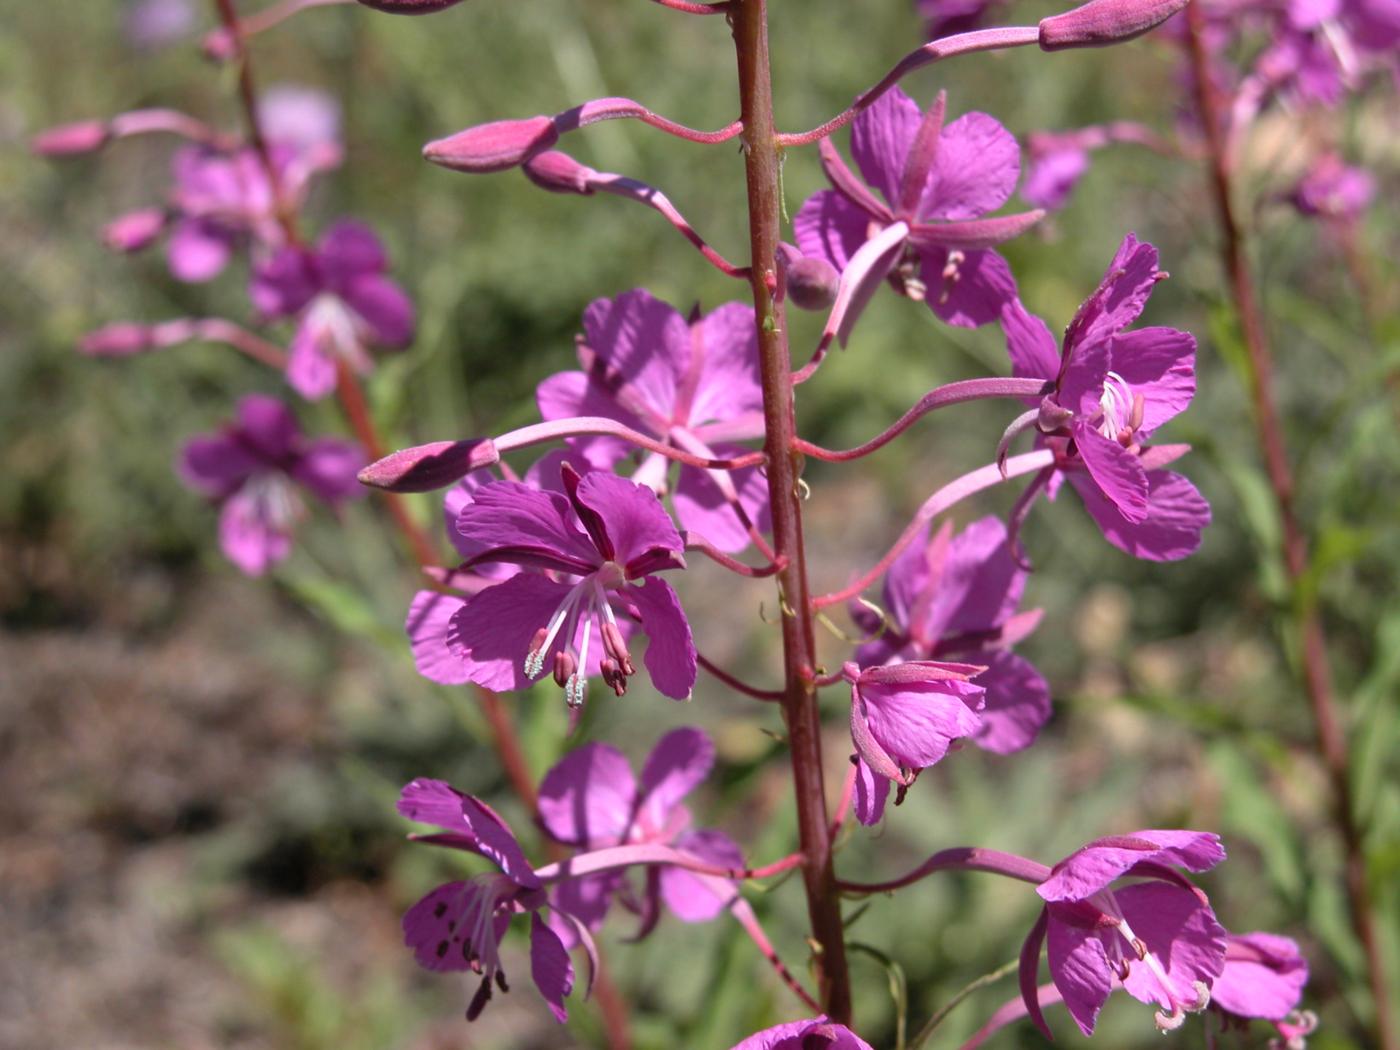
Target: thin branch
<point x="767" y="695"/>
<point x="962" y="858"/>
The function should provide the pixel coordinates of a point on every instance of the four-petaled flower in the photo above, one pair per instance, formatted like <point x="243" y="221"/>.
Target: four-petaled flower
<point x="342" y="301"/>
<point x="1112" y="389"/>
<point x="905" y="718"/>
<point x="817" y="1034"/>
<point x="253" y="467"/>
<point x="590" y="800"/>
<point x="459" y="925"/>
<point x="956" y="597"/>
<point x="1158" y="937"/>
<point x="936" y="180"/>
<point x="598" y="542"/>
<point x="693" y="386"/>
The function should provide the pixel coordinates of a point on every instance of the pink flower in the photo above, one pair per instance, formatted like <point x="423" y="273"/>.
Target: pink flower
<point x="342" y="301"/>
<point x="818" y="1034"/>
<point x="590" y="800"/>
<point x="1112" y="389"/>
<point x="1158" y="937"/>
<point x="1263" y="978"/>
<point x="253" y="469"/>
<point x="1330" y="189"/>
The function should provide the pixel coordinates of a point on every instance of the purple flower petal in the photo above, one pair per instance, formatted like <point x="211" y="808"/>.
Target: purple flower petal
<point x="515" y="522"/>
<point x="493" y="631"/>
<point x="198" y="250"/>
<point x="587" y="798"/>
<point x="880" y="141"/>
<point x="251" y="538"/>
<point x="914" y="722"/>
<point x="1264" y="976"/>
<point x="702" y="507"/>
<point x="679" y="762"/>
<point x="567" y="394"/>
<point x="830" y="227"/>
<point x="348" y="250"/>
<point x="1092" y="867"/>
<point x="1052" y="177"/>
<point x="1159" y="363"/>
<point x="637" y="526"/>
<point x="328" y="467"/>
<point x="1080" y="968"/>
<point x="1171" y="529"/>
<point x="480" y="829"/>
<point x="433" y="928"/>
<point x="670" y="655"/>
<point x="1117" y="472"/>
<point x="980" y="287"/>
<point x="585" y="900"/>
<point x="980" y="584"/>
<point x="819" y="1034"/>
<point x="690" y="898"/>
<point x="645" y="340"/>
<point x="975" y="171"/>
<point x="311" y="371"/>
<point x="1034" y="352"/>
<point x="871" y="791"/>
<point x="283" y="284"/>
<point x="384" y="307"/>
<point x="727" y="384"/>
<point x="1121" y="296"/>
<point x="1018" y="702"/>
<point x="550" y="967"/>
<point x="268" y="425"/>
<point x="216" y="465"/>
<point x="428" y="626"/>
<point x="1182" y="934"/>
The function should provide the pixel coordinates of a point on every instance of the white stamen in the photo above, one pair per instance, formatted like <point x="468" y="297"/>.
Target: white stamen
<point x="1117" y="403"/>
<point x="576" y="691"/>
<point x="534" y="660"/>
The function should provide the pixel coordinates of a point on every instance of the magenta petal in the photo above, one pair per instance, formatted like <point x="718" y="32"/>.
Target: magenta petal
<point x="1034" y="352"/>
<point x="645" y="340"/>
<point x="1181" y="932"/>
<point x="703" y="508"/>
<point x="1053" y="175"/>
<point x="433" y="927"/>
<point x="819" y="1034"/>
<point x="1080" y="968"/>
<point x="1124" y="291"/>
<point x="550" y="967"/>
<point x="328" y="467"/>
<point x="267" y="424"/>
<point x="915" y="722"/>
<point x="728" y="382"/>
<point x="311" y="372"/>
<point x="1018" y="702"/>
<point x="633" y="518"/>
<point x="1264" y="976"/>
<point x="198" y="250"/>
<point x="974" y="295"/>
<point x="871" y="791"/>
<point x="509" y="516"/>
<point x="1159" y="363"/>
<point x="881" y="138"/>
<point x="249" y="537"/>
<point x="428" y="626"/>
<point x="215" y="464"/>
<point x="692" y="899"/>
<point x="907" y="583"/>
<point x="1171" y="529"/>
<point x="587" y="798"/>
<point x="975" y="171"/>
<point x="348" y="250"/>
<point x="830" y="227"/>
<point x="1116" y="471"/>
<point x="480" y="829"/>
<point x="980" y="585"/>
<point x="494" y="629"/>
<point x="1092" y="867"/>
<point x="585" y="900"/>
<point x="283" y="284"/>
<point x="679" y="763"/>
<point x="385" y="307"/>
<point x="670" y="655"/>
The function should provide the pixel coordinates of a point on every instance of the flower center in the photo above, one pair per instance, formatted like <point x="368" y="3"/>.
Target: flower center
<point x="585" y="607"/>
<point x="1122" y="410"/>
<point x="272" y="501"/>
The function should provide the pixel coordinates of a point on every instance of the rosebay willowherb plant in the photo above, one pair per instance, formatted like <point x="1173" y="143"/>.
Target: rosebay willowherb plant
<point x="676" y="440"/>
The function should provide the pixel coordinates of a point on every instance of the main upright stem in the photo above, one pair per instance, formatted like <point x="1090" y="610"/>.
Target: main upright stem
<point x="1312" y="639"/>
<point x="749" y="21"/>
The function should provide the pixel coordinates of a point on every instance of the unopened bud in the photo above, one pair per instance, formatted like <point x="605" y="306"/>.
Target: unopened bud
<point x="117" y="340"/>
<point x="427" y="467"/>
<point x="812" y="283"/>
<point x="1102" y="22"/>
<point x="560" y="173"/>
<point x="498" y="146"/>
<point x="70" y="140"/>
<point x="135" y="230"/>
<point x="219" y="45"/>
<point x="408" y="7"/>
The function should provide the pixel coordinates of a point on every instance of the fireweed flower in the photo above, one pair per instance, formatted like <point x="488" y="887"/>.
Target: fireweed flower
<point x="1158" y="937"/>
<point x="939" y="181"/>
<point x="956" y="598"/>
<point x="693" y="385"/>
<point x="1330" y="189"/>
<point x="603" y="539"/>
<point x="590" y="800"/>
<point x="342" y="301"/>
<point x="460" y="925"/>
<point x="818" y="1034"/>
<point x="1263" y="978"/>
<point x="905" y="718"/>
<point x="1113" y="388"/>
<point x="253" y="468"/>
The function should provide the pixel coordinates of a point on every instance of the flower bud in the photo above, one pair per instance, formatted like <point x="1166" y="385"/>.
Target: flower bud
<point x="427" y="467"/>
<point x="1102" y="22"/>
<point x="135" y="230"/>
<point x="70" y="140"/>
<point x="117" y="340"/>
<point x="219" y="45"/>
<point x="811" y="283"/>
<point x="408" y="7"/>
<point x="497" y="146"/>
<point x="559" y="173"/>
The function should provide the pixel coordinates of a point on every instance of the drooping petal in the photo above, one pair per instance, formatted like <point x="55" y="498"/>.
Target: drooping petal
<point x="509" y="520"/>
<point x="348" y="250"/>
<point x="251" y="538"/>
<point x="428" y="625"/>
<point x="1264" y="976"/>
<point x="679" y="763"/>
<point x="1160" y="364"/>
<point x="871" y="791"/>
<point x="434" y="929"/>
<point x="642" y="534"/>
<point x="311" y="371"/>
<point x="1171" y="528"/>
<point x="880" y="141"/>
<point x="493" y="631"/>
<point x="1116" y="471"/>
<point x="1080" y="968"/>
<point x="692" y="899"/>
<point x="975" y="171"/>
<point x="328" y="467"/>
<point x="1182" y="934"/>
<point x="198" y="250"/>
<point x="973" y="293"/>
<point x="728" y="381"/>
<point x="830" y="227"/>
<point x="670" y="655"/>
<point x="1092" y="867"/>
<point x="474" y="825"/>
<point x="914" y="722"/>
<point x="216" y="465"/>
<point x="384" y="307"/>
<point x="1018" y="702"/>
<point x="645" y="340"/>
<point x="588" y="797"/>
<point x="1034" y="353"/>
<point x="550" y="967"/>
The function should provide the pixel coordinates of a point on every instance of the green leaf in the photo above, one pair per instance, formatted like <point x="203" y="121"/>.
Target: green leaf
<point x="899" y="987"/>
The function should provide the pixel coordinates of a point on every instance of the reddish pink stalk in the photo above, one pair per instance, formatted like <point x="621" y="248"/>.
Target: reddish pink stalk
<point x="738" y="685"/>
<point x="626" y="109"/>
<point x="699" y="544"/>
<point x="556" y="430"/>
<point x="962" y="858"/>
<point x="693" y="9"/>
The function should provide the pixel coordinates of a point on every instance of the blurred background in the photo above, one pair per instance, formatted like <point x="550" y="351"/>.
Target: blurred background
<point x="198" y="846"/>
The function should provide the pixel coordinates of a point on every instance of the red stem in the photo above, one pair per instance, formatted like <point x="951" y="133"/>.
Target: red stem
<point x="749" y="20"/>
<point x="768" y="695"/>
<point x="1317" y="678"/>
<point x="962" y="858"/>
